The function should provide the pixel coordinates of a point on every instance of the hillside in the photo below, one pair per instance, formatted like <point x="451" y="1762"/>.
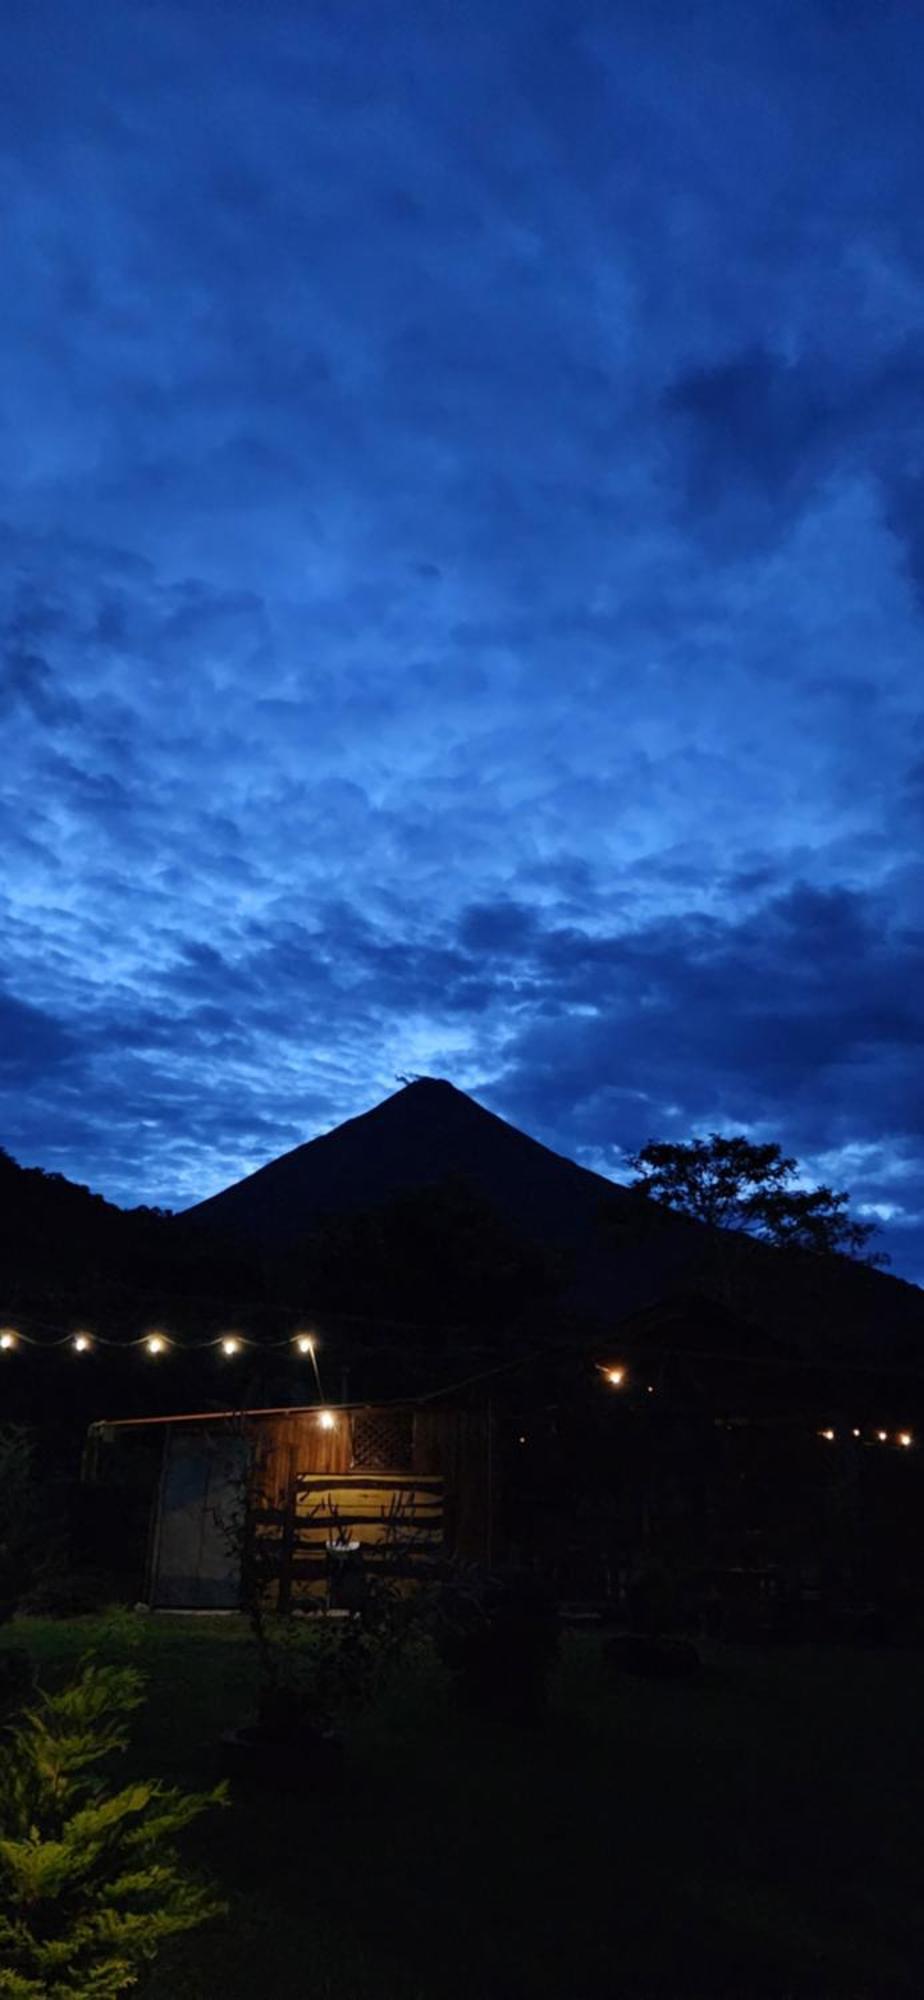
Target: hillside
<point x="431" y="1207"/>
<point x="429" y="1210"/>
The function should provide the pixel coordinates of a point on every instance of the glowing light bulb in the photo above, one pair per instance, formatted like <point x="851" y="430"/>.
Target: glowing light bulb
<point x="615" y="1377"/>
<point x="326" y="1419"/>
<point x="305" y="1343"/>
<point x="155" y="1343"/>
<point x="230" y="1344"/>
<point x="7" y="1339"/>
<point x="855" y="1434"/>
<point x="882" y="1436"/>
<point x="905" y="1438"/>
<point x="82" y="1343"/>
<point x="829" y="1435"/>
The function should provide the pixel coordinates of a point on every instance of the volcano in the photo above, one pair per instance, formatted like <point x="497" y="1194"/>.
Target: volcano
<point x="427" y="1135"/>
<point x="623" y="1251"/>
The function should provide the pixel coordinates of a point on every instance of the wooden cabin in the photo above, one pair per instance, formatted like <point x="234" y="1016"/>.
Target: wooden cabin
<point x="327" y="1490"/>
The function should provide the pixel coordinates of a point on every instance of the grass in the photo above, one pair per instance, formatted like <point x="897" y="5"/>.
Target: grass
<point x="756" y="1835"/>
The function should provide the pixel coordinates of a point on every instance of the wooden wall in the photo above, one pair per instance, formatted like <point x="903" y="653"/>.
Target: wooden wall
<point x="420" y="1479"/>
<point x="433" y="1465"/>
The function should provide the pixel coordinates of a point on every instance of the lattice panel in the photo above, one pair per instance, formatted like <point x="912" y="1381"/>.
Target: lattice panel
<point x="383" y="1440"/>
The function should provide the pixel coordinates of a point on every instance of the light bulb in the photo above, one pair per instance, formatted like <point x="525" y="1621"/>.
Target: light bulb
<point x="155" y="1343"/>
<point x="304" y="1343"/>
<point x="326" y="1419"/>
<point x="615" y="1377"/>
<point x="230" y="1345"/>
<point x="81" y="1343"/>
<point x="7" y="1339"/>
<point x="829" y="1435"/>
<point x="905" y="1438"/>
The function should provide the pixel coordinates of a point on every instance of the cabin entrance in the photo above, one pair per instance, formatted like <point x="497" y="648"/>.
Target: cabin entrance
<point x="203" y="1481"/>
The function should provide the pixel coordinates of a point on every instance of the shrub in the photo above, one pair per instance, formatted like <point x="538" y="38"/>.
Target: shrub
<point x="17" y="1683"/>
<point x="90" y="1884"/>
<point x="18" y="1517"/>
<point x="70" y="1594"/>
<point x="500" y="1634"/>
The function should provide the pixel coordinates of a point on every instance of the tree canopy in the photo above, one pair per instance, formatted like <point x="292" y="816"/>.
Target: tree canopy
<point x="733" y="1183"/>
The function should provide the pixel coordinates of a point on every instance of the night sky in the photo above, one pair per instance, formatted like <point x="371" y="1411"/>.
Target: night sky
<point x="462" y="579"/>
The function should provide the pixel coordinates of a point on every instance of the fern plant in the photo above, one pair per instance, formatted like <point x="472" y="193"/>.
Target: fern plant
<point x="90" y="1883"/>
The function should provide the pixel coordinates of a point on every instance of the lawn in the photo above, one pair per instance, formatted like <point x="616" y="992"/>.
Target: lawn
<point x="759" y="1833"/>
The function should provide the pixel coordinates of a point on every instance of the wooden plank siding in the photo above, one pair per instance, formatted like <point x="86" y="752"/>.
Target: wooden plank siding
<point x="306" y="1486"/>
<point x="397" y="1519"/>
<point x="418" y="1481"/>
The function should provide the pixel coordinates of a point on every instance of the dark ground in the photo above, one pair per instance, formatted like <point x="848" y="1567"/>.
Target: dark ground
<point x="759" y="1833"/>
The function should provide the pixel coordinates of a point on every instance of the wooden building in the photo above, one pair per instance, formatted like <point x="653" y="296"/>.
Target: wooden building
<point x="170" y="1498"/>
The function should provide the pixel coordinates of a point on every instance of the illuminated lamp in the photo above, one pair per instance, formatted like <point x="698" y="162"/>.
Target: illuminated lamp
<point x="905" y="1438"/>
<point x="855" y="1434"/>
<point x="326" y="1419"/>
<point x="882" y="1437"/>
<point x="230" y="1344"/>
<point x="81" y="1343"/>
<point x="828" y="1435"/>
<point x="8" y="1339"/>
<point x="615" y="1377"/>
<point x="304" y="1343"/>
<point x="155" y="1344"/>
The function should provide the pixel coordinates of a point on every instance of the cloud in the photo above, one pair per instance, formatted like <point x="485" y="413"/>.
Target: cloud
<point x="460" y="574"/>
<point x="32" y="1044"/>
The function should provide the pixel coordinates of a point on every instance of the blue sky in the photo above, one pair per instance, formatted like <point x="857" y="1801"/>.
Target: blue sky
<point x="462" y="527"/>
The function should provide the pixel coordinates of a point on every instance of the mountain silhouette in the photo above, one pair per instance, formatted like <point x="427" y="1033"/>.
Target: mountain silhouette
<point x="427" y="1209"/>
<point x="426" y="1136"/>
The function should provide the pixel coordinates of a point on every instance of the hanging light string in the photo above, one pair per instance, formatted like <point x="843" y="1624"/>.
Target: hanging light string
<point x="156" y="1342"/>
<point x="231" y="1344"/>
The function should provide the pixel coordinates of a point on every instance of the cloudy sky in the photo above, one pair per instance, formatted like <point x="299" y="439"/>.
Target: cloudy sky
<point x="462" y="527"/>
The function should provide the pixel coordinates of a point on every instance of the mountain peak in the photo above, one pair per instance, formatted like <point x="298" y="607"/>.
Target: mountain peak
<point x="424" y="1135"/>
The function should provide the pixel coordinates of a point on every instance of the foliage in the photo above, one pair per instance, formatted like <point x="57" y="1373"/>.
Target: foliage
<point x="17" y="1683"/>
<point x="313" y="1675"/>
<point x="499" y="1632"/>
<point x="732" y="1183"/>
<point x="70" y="1593"/>
<point x="19" y="1526"/>
<point x="442" y="1255"/>
<point x="90" y="1885"/>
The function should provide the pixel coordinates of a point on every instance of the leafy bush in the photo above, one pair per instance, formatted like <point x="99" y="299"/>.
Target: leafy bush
<point x="17" y="1682"/>
<point x="70" y="1594"/>
<point x="18" y="1517"/>
<point x="499" y="1633"/>
<point x="90" y="1885"/>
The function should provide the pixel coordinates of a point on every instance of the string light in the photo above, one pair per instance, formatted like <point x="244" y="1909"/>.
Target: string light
<point x="615" y="1377"/>
<point x="905" y="1438"/>
<point x="304" y="1343"/>
<point x="882" y="1437"/>
<point x="230" y="1344"/>
<point x="155" y="1343"/>
<point x="81" y="1343"/>
<point x="828" y="1435"/>
<point x="7" y="1339"/>
<point x="326" y="1419"/>
<point x="855" y="1434"/>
